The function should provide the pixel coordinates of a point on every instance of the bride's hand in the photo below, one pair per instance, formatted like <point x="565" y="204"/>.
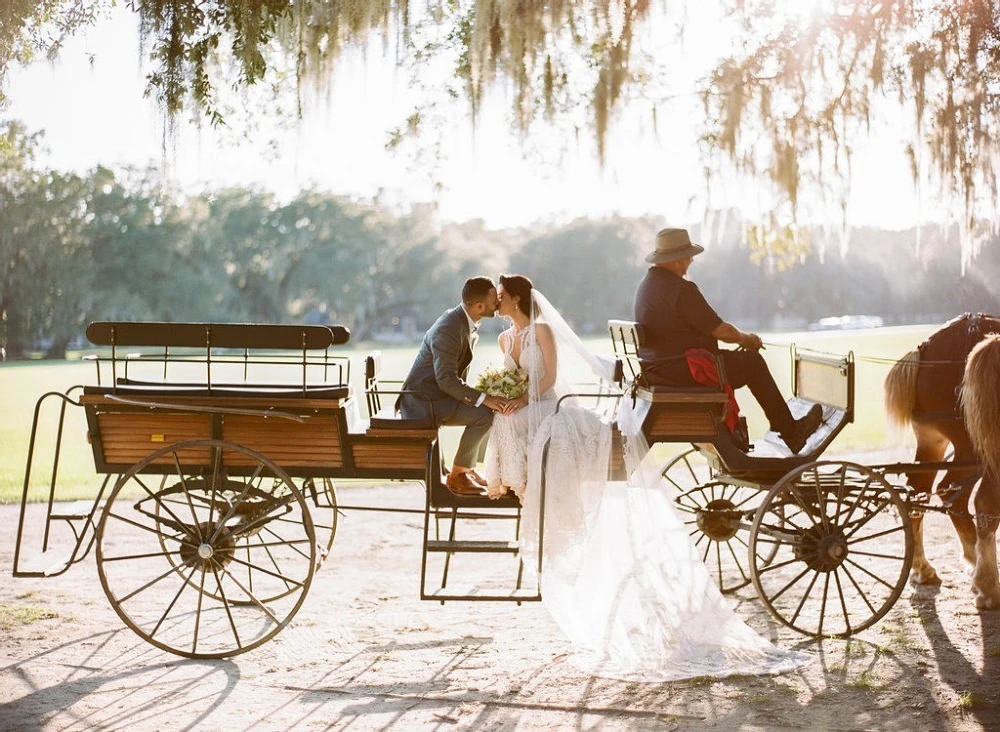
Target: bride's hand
<point x="516" y="405"/>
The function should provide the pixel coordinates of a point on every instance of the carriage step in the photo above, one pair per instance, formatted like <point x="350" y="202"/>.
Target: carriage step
<point x="59" y="566"/>
<point x="495" y="547"/>
<point x="443" y="594"/>
<point x="73" y="510"/>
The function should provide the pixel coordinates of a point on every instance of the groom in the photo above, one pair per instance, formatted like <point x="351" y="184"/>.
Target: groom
<point x="439" y="373"/>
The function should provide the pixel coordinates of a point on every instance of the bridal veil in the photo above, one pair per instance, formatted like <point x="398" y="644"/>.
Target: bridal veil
<point x="618" y="571"/>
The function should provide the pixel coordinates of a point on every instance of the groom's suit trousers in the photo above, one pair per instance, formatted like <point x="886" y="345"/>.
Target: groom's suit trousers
<point x="472" y="445"/>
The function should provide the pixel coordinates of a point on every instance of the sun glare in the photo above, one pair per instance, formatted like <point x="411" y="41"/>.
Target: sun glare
<point x="803" y="11"/>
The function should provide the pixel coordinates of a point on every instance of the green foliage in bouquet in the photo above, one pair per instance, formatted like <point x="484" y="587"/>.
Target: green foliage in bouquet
<point x="507" y="383"/>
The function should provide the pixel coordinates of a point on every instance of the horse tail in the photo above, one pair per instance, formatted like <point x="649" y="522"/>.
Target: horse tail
<point x="981" y="399"/>
<point x="901" y="389"/>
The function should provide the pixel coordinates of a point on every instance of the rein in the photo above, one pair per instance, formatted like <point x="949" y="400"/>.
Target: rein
<point x="884" y="360"/>
<point x="975" y="331"/>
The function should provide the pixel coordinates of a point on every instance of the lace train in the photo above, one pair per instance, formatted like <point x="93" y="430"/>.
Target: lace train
<point x="620" y="575"/>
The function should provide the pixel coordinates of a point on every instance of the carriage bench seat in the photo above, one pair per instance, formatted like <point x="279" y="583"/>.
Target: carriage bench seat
<point x="324" y="390"/>
<point x="242" y="390"/>
<point x="661" y="394"/>
<point x="383" y="421"/>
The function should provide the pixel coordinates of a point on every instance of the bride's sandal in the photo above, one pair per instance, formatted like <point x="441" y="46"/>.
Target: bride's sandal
<point x="496" y="492"/>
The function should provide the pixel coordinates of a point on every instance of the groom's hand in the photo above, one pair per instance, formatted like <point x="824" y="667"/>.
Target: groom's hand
<point x="497" y="404"/>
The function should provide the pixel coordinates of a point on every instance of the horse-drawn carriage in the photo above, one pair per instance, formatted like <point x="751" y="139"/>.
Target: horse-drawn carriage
<point x="220" y="445"/>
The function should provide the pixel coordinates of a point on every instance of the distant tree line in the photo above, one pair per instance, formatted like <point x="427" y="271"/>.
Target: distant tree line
<point x="120" y="245"/>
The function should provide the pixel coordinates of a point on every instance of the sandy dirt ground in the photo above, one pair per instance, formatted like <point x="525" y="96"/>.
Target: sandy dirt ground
<point x="364" y="653"/>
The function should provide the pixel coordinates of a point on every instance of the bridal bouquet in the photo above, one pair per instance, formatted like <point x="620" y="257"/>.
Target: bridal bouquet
<point x="507" y="383"/>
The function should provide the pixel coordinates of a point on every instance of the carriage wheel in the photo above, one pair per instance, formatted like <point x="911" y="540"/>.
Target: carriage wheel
<point x="324" y="512"/>
<point x="716" y="514"/>
<point x="202" y="562"/>
<point x="843" y="547"/>
<point x="322" y="495"/>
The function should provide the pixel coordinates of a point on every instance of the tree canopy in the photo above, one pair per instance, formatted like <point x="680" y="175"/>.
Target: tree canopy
<point x="797" y="84"/>
<point x="109" y="245"/>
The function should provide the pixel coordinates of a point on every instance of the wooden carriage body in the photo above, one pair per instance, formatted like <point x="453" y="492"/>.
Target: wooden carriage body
<point x="221" y="440"/>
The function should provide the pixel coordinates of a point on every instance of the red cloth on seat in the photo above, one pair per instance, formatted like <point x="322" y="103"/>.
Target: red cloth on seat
<point x="705" y="370"/>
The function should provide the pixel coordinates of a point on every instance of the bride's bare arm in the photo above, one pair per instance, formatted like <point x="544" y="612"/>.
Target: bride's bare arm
<point x="547" y="344"/>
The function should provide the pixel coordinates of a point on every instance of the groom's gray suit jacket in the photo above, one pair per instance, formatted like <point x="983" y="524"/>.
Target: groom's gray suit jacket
<point x="440" y="369"/>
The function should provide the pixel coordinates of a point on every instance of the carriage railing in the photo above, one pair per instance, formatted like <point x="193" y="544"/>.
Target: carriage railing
<point x="219" y="355"/>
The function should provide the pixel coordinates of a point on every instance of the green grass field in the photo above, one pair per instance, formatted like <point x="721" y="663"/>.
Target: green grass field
<point x="22" y="383"/>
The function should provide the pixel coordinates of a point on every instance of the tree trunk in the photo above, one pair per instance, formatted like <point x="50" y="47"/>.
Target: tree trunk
<point x="58" y="348"/>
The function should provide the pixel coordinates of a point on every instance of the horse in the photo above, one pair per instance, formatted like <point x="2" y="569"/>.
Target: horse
<point x="947" y="402"/>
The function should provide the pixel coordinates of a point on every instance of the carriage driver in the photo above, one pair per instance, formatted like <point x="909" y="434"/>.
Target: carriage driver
<point x="676" y="320"/>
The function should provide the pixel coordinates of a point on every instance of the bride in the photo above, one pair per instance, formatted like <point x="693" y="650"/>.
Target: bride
<point x="618" y="572"/>
<point x="530" y="346"/>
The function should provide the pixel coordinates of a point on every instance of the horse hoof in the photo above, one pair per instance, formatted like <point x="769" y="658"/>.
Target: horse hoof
<point x="927" y="577"/>
<point x="986" y="602"/>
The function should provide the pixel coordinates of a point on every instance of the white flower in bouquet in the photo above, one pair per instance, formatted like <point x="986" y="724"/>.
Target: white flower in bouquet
<point x="507" y="383"/>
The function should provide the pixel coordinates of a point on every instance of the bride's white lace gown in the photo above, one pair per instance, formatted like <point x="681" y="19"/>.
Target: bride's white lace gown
<point x="619" y="574"/>
<point x="507" y="449"/>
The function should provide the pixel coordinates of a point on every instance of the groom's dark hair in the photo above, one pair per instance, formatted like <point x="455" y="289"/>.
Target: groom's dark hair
<point x="476" y="289"/>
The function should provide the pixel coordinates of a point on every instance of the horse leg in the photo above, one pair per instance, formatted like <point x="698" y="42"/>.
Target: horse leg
<point x="930" y="448"/>
<point x="965" y="527"/>
<point x="985" y="580"/>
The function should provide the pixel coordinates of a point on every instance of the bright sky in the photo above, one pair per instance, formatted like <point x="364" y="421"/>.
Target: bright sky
<point x="93" y="112"/>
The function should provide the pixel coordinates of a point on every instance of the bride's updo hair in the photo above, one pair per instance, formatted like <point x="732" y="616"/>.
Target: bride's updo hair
<point x="520" y="287"/>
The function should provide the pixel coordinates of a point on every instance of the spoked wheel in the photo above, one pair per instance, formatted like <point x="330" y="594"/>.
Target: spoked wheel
<point x="212" y="559"/>
<point x="321" y="493"/>
<point x="717" y="515"/>
<point x="843" y="548"/>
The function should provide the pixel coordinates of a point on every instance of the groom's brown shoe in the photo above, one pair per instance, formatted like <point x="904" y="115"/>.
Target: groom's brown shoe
<point x="478" y="478"/>
<point x="463" y="484"/>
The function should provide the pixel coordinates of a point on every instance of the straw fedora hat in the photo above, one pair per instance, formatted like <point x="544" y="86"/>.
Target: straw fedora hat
<point x="673" y="244"/>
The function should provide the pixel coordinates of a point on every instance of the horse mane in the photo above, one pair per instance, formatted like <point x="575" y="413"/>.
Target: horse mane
<point x="901" y="389"/>
<point x="980" y="396"/>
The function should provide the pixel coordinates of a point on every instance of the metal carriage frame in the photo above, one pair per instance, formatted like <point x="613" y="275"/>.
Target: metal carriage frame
<point x="220" y="445"/>
<point x="826" y="544"/>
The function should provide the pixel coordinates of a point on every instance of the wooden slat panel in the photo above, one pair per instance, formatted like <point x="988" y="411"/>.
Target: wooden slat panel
<point x="290" y="461"/>
<point x="314" y="443"/>
<point x="386" y="455"/>
<point x="387" y="446"/>
<point x="124" y="435"/>
<point x="662" y="423"/>
<point x="709" y="398"/>
<point x="430" y="434"/>
<point x="188" y="458"/>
